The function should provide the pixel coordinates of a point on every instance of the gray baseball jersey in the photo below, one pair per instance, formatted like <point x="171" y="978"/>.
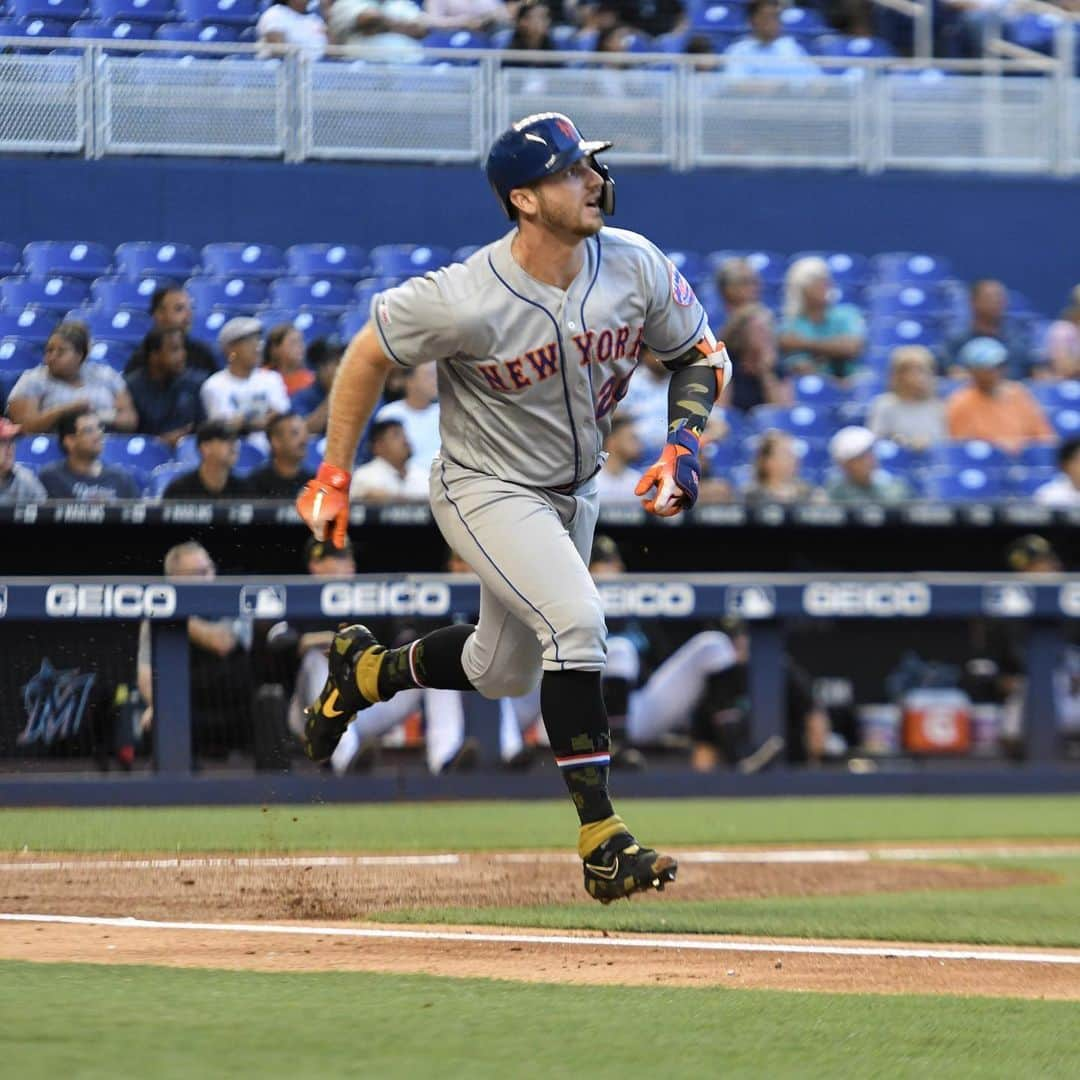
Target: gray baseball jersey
<point x="529" y="374"/>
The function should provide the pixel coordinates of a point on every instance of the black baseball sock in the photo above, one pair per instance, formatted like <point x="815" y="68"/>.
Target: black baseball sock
<point x="431" y="661"/>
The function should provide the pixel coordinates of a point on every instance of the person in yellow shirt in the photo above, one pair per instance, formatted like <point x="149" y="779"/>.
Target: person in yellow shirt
<point x="992" y="407"/>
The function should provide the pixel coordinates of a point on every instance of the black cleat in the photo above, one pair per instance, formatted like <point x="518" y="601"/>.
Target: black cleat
<point x="355" y="658"/>
<point x="620" y="867"/>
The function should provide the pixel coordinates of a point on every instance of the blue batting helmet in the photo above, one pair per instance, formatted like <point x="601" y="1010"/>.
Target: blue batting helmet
<point x="539" y="146"/>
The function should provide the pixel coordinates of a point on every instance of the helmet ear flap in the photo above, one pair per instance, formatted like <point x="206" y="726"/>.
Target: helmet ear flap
<point x="607" y="196"/>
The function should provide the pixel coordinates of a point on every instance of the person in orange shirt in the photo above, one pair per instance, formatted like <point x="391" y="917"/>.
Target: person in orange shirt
<point x="991" y="407"/>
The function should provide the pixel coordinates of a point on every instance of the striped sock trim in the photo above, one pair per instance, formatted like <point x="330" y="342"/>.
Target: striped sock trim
<point x="575" y="761"/>
<point x="412" y="665"/>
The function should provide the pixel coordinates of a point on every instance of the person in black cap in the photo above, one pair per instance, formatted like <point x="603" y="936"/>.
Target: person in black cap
<point x="214" y="478"/>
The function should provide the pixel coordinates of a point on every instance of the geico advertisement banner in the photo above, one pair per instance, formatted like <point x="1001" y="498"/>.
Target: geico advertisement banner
<point x="647" y="598"/>
<point x="110" y="601"/>
<point x="876" y="599"/>
<point x="429" y="598"/>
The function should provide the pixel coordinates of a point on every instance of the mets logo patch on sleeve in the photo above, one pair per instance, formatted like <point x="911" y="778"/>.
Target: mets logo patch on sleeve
<point x="383" y="310"/>
<point x="681" y="292"/>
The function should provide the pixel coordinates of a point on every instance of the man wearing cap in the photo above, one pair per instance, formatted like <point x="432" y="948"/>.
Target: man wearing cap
<point x="214" y="478"/>
<point x="244" y="395"/>
<point x="860" y="479"/>
<point x="18" y="484"/>
<point x="1064" y="489"/>
<point x="991" y="407"/>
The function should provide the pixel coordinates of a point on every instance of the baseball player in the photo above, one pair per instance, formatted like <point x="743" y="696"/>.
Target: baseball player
<point x="535" y="338"/>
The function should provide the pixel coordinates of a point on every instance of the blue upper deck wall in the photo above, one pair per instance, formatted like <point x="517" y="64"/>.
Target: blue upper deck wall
<point x="1021" y="230"/>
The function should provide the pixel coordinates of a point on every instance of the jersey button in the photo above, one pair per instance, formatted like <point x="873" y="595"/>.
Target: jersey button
<point x="572" y="325"/>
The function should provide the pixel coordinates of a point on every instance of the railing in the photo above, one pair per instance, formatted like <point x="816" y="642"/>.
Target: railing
<point x="1018" y="114"/>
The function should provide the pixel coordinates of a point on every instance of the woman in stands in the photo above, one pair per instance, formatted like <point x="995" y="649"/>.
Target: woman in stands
<point x="750" y="336"/>
<point x="67" y="382"/>
<point x="910" y="412"/>
<point x="776" y="473"/>
<point x="817" y="335"/>
<point x="1063" y="344"/>
<point x="283" y="352"/>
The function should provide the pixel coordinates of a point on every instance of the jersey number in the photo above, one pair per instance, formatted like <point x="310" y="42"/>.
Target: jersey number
<point x="611" y="393"/>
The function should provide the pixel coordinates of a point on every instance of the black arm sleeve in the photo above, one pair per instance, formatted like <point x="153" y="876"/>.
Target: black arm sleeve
<point x="692" y="392"/>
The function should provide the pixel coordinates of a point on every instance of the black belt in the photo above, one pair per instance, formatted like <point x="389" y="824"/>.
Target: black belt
<point x="569" y="489"/>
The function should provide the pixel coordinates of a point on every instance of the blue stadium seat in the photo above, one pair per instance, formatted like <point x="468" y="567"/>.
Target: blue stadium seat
<point x="1057" y="395"/>
<point x="150" y="258"/>
<point x="312" y="324"/>
<point x="673" y="42"/>
<point x="455" y="39"/>
<point x="802" y="22"/>
<point x="36" y="28"/>
<point x="462" y="253"/>
<point x="112" y="352"/>
<point x="53" y="293"/>
<point x="250" y="458"/>
<point x="218" y="11"/>
<point x="147" y="11"/>
<point x="904" y="267"/>
<point x="348" y="261"/>
<point x="965" y="485"/>
<point x="1023" y="481"/>
<point x="208" y="33"/>
<point x="818" y="390"/>
<point x="262" y="261"/>
<point x="162" y="476"/>
<point x="407" y="260"/>
<point x="813" y="453"/>
<point x="1035" y="32"/>
<point x="809" y="421"/>
<point x="241" y="294"/>
<point x="118" y="325"/>
<point x="770" y="265"/>
<point x="140" y="454"/>
<point x="206" y="324"/>
<point x="888" y="333"/>
<point x="37" y="450"/>
<point x="726" y="18"/>
<point x="1066" y="422"/>
<point x="901" y="301"/>
<point x="30" y="324"/>
<point x="974" y="453"/>
<point x="846" y="267"/>
<point x="318" y="294"/>
<point x="500" y="39"/>
<point x="123" y="292"/>
<point x="1037" y="455"/>
<point x="186" y="453"/>
<point x="720" y="457"/>
<point x="56" y="258"/>
<point x="352" y="322"/>
<point x="16" y="356"/>
<point x="899" y="459"/>
<point x="114" y="30"/>
<point x="9" y="259"/>
<point x="854" y="47"/>
<point x="691" y="264"/>
<point x="66" y="10"/>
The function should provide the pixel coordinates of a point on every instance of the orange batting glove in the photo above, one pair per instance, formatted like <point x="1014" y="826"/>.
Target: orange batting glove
<point x="324" y="501"/>
<point x="675" y="476"/>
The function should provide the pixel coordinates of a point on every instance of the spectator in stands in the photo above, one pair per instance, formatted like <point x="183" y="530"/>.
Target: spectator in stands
<point x="66" y="383"/>
<point x="164" y="392"/>
<point x="418" y="413"/>
<point x="860" y="479"/>
<point x="284" y="474"/>
<point x="817" y="335"/>
<point x="618" y="477"/>
<point x="284" y="353"/>
<point x="1064" y="489"/>
<point x="1063" y="344"/>
<point x="390" y="28"/>
<point x="214" y="478"/>
<point x="18" y="484"/>
<point x="765" y="52"/>
<point x="652" y="17"/>
<point x="288" y="22"/>
<point x="750" y="336"/>
<point x="244" y="396"/>
<point x="221" y="678"/>
<point x="477" y="15"/>
<point x="989" y="319"/>
<point x="324" y="358"/>
<point x="991" y="407"/>
<point x="776" y="472"/>
<point x="82" y="475"/>
<point x="646" y="398"/>
<point x="910" y="412"/>
<point x="389" y="475"/>
<point x="532" y="29"/>
<point x="170" y="308"/>
<point x="738" y="283"/>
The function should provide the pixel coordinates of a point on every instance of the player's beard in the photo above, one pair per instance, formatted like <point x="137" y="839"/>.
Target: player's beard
<point x="561" y="220"/>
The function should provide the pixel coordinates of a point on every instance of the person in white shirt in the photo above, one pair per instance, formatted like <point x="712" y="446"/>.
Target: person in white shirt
<point x="418" y="413"/>
<point x="618" y="477"/>
<point x="243" y="395"/>
<point x="1064" y="489"/>
<point x="764" y="52"/>
<point x="289" y="22"/>
<point x="390" y="476"/>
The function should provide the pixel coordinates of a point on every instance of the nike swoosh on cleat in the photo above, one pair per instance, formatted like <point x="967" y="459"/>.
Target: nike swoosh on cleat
<point x="606" y="872"/>
<point x="328" y="706"/>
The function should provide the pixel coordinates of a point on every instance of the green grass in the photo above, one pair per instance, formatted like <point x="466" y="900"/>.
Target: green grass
<point x="474" y="826"/>
<point x="85" y="1021"/>
<point x="1031" y="915"/>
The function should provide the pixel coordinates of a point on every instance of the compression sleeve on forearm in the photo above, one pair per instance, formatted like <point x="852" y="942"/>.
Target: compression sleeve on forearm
<point x="692" y="392"/>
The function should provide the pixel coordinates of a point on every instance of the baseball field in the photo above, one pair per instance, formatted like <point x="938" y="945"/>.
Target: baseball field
<point x="803" y="937"/>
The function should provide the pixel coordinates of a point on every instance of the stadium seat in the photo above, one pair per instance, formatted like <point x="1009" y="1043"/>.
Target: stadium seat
<point x="901" y="301"/>
<point x="352" y="322"/>
<point x="899" y="459"/>
<point x="903" y="267"/>
<point x="813" y="453"/>
<point x="721" y="456"/>
<point x="205" y="325"/>
<point x="36" y="28"/>
<point x="802" y="22"/>
<point x="67" y="10"/>
<point x="237" y="293"/>
<point x="312" y="324"/>
<point x="218" y="11"/>
<point x="207" y="33"/>
<point x="1023" y="481"/>
<point x="455" y="39"/>
<point x="16" y="356"/>
<point x="818" y="390"/>
<point x="726" y="18"/>
<point x="73" y="259"/>
<point x="162" y="476"/>
<point x="139" y="453"/>
<point x="967" y="484"/>
<point x="149" y="258"/>
<point x="1033" y="31"/>
<point x="1066" y="422"/>
<point x="251" y="457"/>
<point x="853" y="47"/>
<point x="53" y="293"/>
<point x="690" y="264"/>
<point x="975" y="453"/>
<point x="30" y="324"/>
<point x="37" y="450"/>
<point x="262" y="261"/>
<point x="809" y="421"/>
<point x="348" y="261"/>
<point x="1057" y="395"/>
<point x="115" y="293"/>
<point x="462" y="253"/>
<point x="846" y="267"/>
<point x="318" y="294"/>
<point x="770" y="265"/>
<point x="9" y="259"/>
<point x="147" y="11"/>
<point x="119" y="325"/>
<point x="886" y="334"/>
<point x="115" y="30"/>
<point x="112" y="352"/>
<point x="407" y="260"/>
<point x="1037" y="455"/>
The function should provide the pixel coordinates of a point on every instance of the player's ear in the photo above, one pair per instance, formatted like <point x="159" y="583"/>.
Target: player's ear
<point x="523" y="200"/>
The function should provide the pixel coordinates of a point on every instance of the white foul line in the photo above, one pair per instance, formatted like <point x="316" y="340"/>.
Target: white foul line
<point x="230" y="862"/>
<point x="885" y="952"/>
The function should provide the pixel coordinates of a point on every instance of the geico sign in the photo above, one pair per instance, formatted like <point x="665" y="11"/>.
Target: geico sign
<point x="385" y="598"/>
<point x="105" y="601"/>
<point x="882" y="599"/>
<point x="648" y="598"/>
